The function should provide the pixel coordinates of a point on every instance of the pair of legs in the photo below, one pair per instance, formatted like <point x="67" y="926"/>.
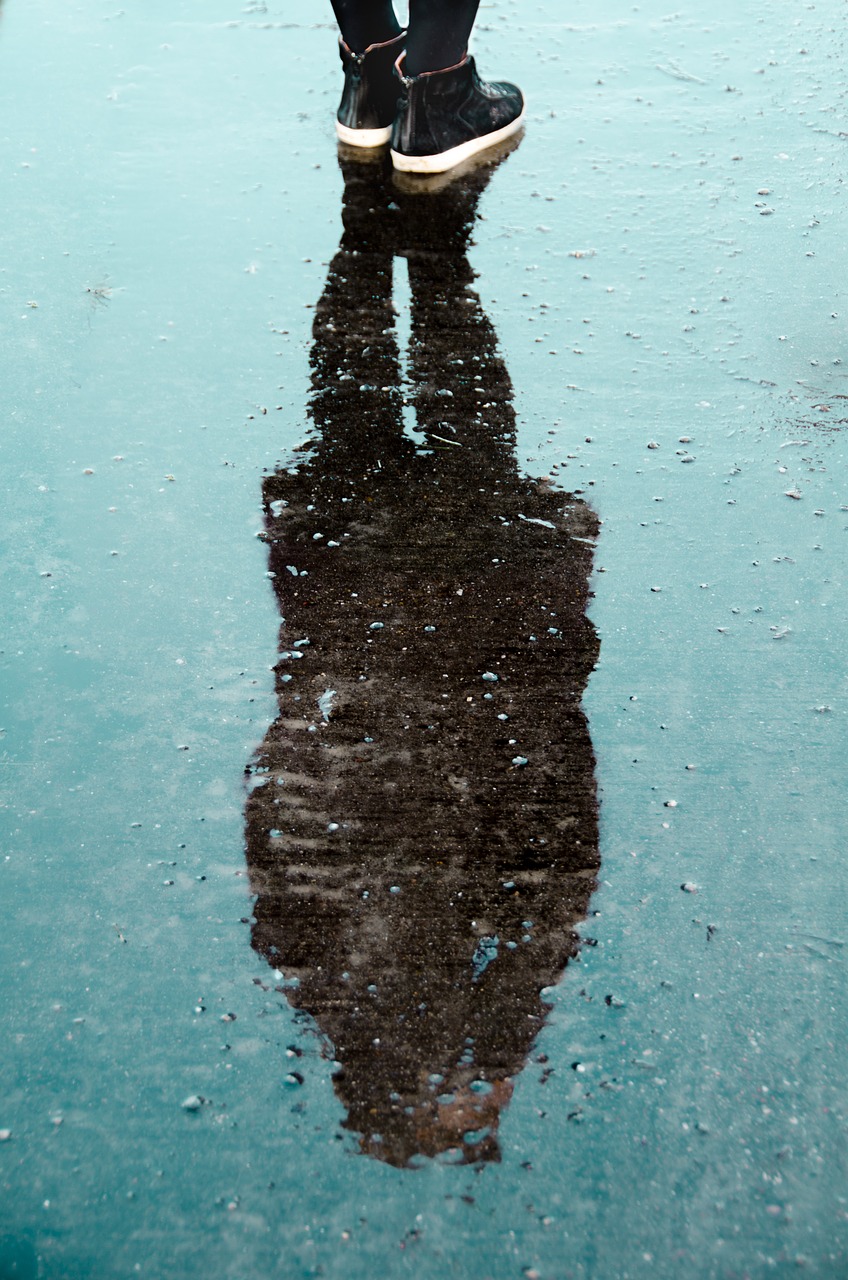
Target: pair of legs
<point x="437" y="35"/>
<point x="418" y="88"/>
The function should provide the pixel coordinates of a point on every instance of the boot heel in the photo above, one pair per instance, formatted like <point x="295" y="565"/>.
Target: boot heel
<point x="370" y="94"/>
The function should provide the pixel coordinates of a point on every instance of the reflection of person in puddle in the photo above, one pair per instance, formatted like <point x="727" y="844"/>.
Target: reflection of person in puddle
<point x="422" y="840"/>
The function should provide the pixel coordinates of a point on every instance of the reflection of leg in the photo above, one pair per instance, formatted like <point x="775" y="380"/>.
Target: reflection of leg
<point x="438" y="33"/>
<point x="462" y="390"/>
<point x="453" y="349"/>
<point x="356" y="401"/>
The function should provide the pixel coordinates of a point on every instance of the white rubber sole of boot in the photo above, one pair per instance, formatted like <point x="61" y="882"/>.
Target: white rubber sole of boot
<point x="363" y="137"/>
<point x="449" y="159"/>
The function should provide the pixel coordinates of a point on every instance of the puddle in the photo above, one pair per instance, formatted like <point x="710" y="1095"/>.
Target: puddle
<point x="628" y="1059"/>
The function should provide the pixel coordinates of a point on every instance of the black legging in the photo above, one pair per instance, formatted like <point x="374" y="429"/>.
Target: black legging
<point x="438" y="29"/>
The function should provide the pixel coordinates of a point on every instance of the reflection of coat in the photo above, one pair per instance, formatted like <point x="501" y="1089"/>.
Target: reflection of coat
<point x="426" y="839"/>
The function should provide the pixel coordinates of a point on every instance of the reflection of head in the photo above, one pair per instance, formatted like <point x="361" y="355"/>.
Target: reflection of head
<point x="424" y="839"/>
<point x="464" y="1123"/>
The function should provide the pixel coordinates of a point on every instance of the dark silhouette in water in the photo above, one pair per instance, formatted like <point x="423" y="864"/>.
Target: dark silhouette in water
<point x="422" y="838"/>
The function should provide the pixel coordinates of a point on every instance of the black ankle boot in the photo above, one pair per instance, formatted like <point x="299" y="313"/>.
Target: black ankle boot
<point x="443" y="117"/>
<point x="370" y="94"/>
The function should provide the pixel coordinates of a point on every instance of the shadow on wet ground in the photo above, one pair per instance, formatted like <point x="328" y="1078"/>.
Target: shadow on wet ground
<point x="422" y="823"/>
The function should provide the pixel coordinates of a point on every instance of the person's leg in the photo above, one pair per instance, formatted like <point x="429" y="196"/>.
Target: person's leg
<point x="438" y="34"/>
<point x="366" y="22"/>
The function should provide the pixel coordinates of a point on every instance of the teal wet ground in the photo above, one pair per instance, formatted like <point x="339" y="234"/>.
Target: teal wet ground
<point x="663" y="260"/>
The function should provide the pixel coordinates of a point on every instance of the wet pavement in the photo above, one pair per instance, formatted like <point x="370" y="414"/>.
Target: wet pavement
<point x="423" y="719"/>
